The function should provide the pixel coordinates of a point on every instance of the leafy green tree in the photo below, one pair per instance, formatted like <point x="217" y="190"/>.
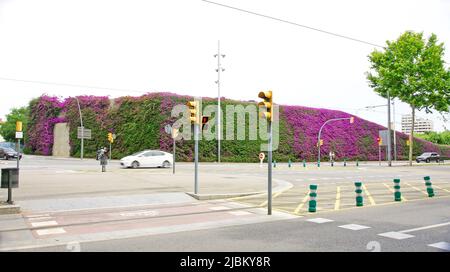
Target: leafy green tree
<point x="8" y="128"/>
<point x="442" y="138"/>
<point x="412" y="70"/>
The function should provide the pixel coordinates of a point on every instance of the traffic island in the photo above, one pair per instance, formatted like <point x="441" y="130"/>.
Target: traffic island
<point x="6" y="208"/>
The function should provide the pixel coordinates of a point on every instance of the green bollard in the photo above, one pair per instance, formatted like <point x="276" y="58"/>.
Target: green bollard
<point x="312" y="198"/>
<point x="304" y="163"/>
<point x="357" y="163"/>
<point x="397" y="193"/>
<point x="345" y="162"/>
<point x="359" y="197"/>
<point x="289" y="163"/>
<point x="274" y="164"/>
<point x="430" y="190"/>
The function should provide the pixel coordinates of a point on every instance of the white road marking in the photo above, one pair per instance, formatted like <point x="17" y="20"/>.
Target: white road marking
<point x="37" y="215"/>
<point x="354" y="227"/>
<point x="51" y="231"/>
<point x="396" y="235"/>
<point x="239" y="213"/>
<point x="441" y="245"/>
<point x="140" y="213"/>
<point x="40" y="218"/>
<point x="219" y="208"/>
<point x="320" y="220"/>
<point x="426" y="227"/>
<point x="44" y="224"/>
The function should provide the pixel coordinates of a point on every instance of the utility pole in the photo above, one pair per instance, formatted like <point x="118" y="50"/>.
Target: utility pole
<point x="218" y="70"/>
<point x="395" y="132"/>
<point x="389" y="130"/>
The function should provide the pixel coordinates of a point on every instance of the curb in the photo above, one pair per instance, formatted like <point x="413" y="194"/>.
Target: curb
<point x="9" y="209"/>
<point x="281" y="186"/>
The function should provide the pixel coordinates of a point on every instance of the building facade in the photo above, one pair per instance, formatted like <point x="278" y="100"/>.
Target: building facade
<point x="421" y="125"/>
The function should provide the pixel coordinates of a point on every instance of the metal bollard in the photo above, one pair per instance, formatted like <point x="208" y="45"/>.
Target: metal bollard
<point x="357" y="163"/>
<point x="274" y="164"/>
<point x="397" y="193"/>
<point x="312" y="198"/>
<point x="359" y="197"/>
<point x="430" y="190"/>
<point x="345" y="162"/>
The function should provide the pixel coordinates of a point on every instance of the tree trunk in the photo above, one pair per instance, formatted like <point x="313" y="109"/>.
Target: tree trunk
<point x="411" y="136"/>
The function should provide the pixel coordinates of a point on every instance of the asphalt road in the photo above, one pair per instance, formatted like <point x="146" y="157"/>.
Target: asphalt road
<point x="425" y="223"/>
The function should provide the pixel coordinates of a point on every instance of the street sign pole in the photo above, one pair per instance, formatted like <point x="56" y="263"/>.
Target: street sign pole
<point x="110" y="151"/>
<point x="379" y="154"/>
<point x="174" y="147"/>
<point x="269" y="162"/>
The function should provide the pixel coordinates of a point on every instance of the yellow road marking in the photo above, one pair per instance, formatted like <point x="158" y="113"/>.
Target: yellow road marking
<point x="393" y="191"/>
<point x="369" y="196"/>
<point x="300" y="206"/>
<point x="273" y="196"/>
<point x="338" y="198"/>
<point x="440" y="188"/>
<point x="415" y="188"/>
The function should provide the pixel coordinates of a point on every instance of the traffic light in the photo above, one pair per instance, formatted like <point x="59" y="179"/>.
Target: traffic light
<point x="379" y="141"/>
<point x="352" y="120"/>
<point x="320" y="142"/>
<point x="205" y="120"/>
<point x="194" y="112"/>
<point x="267" y="103"/>
<point x="110" y="137"/>
<point x="18" y="126"/>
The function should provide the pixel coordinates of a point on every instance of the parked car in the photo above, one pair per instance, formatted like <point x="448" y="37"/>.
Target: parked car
<point x="9" y="153"/>
<point x="428" y="157"/>
<point x="148" y="158"/>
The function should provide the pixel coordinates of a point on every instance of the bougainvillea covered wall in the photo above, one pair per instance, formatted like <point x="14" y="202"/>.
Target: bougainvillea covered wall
<point x="138" y="123"/>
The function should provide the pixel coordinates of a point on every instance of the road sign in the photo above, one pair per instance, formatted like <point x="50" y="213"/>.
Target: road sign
<point x="19" y="135"/>
<point x="383" y="134"/>
<point x="87" y="133"/>
<point x="262" y="156"/>
<point x="168" y="129"/>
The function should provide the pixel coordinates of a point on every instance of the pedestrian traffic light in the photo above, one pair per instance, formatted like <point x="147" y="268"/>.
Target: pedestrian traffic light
<point x="267" y="103"/>
<point x="110" y="137"/>
<point x="379" y="141"/>
<point x="205" y="120"/>
<point x="194" y="112"/>
<point x="18" y="126"/>
<point x="352" y="119"/>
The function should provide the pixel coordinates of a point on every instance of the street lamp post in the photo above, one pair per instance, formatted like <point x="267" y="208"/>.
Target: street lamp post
<point x="218" y="70"/>
<point x="82" y="127"/>
<point x="320" y="132"/>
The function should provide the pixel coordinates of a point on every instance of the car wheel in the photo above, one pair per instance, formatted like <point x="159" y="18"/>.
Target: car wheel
<point x="428" y="160"/>
<point x="166" y="164"/>
<point x="135" y="165"/>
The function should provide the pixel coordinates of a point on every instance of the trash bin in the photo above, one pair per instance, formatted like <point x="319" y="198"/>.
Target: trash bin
<point x="10" y="174"/>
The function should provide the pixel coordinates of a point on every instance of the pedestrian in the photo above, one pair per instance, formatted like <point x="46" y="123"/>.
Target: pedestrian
<point x="103" y="158"/>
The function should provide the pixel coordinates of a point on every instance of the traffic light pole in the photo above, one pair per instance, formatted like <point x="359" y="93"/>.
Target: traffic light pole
<point x="196" y="128"/>
<point x="174" y="147"/>
<point x="110" y="150"/>
<point x="269" y="164"/>
<point x="389" y="130"/>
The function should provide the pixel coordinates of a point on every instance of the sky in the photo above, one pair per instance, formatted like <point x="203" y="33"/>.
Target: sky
<point x="133" y="47"/>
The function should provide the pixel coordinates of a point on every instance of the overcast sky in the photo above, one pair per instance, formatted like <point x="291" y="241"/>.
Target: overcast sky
<point x="149" y="46"/>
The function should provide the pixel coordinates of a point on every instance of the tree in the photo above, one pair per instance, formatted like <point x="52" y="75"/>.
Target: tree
<point x="412" y="70"/>
<point x="8" y="129"/>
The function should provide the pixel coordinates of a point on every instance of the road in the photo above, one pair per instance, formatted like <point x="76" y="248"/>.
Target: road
<point x="69" y="204"/>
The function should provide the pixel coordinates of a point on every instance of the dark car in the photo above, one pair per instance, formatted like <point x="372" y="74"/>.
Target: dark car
<point x="428" y="157"/>
<point x="9" y="153"/>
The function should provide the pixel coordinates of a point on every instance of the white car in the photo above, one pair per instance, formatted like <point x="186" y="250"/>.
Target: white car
<point x="148" y="158"/>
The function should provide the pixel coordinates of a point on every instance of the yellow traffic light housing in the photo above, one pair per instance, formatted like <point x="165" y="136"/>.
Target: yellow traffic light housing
<point x="194" y="112"/>
<point x="110" y="137"/>
<point x="266" y="103"/>
<point x="352" y="120"/>
<point x="18" y="126"/>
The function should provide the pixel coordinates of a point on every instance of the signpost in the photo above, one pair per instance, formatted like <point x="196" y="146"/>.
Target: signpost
<point x="261" y="158"/>
<point x="84" y="133"/>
